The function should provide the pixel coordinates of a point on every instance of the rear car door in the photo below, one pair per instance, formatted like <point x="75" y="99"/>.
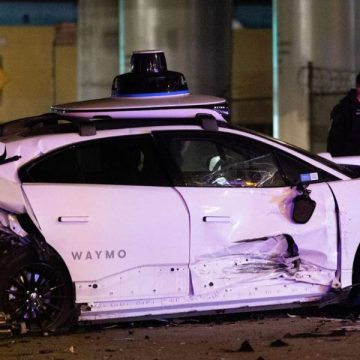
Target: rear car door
<point x="106" y="206"/>
<point x="240" y="203"/>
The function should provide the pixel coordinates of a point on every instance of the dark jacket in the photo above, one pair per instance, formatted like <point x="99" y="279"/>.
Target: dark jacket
<point x="344" y="134"/>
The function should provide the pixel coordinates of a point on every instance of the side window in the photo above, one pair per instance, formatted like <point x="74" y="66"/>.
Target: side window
<point x="118" y="161"/>
<point x="297" y="170"/>
<point x="222" y="160"/>
<point x="194" y="155"/>
<point x="60" y="167"/>
<point x="121" y="161"/>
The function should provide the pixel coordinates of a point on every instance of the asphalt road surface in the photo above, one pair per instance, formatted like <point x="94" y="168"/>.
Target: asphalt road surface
<point x="274" y="335"/>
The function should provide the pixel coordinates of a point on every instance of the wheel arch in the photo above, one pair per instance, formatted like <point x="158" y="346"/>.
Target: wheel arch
<point x="42" y="248"/>
<point x="356" y="267"/>
<point x="26" y="257"/>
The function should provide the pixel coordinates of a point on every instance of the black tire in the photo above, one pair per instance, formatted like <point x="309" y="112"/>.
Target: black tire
<point x="37" y="293"/>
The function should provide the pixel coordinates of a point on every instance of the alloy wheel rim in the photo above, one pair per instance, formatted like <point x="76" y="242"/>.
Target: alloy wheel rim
<point x="35" y="295"/>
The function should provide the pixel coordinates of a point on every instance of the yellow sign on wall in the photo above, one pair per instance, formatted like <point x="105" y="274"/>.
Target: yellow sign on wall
<point x="3" y="78"/>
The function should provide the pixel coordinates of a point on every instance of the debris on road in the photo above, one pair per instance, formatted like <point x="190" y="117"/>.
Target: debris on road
<point x="245" y="347"/>
<point x="334" y="333"/>
<point x="279" y="343"/>
<point x="124" y="339"/>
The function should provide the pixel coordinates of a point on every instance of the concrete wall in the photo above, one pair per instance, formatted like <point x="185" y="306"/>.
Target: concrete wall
<point x="66" y="74"/>
<point x="195" y="35"/>
<point x="98" y="54"/>
<point x="26" y="56"/>
<point x="252" y="79"/>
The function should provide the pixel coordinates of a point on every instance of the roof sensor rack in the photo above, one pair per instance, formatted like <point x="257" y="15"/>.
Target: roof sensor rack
<point x="85" y="127"/>
<point x="208" y="122"/>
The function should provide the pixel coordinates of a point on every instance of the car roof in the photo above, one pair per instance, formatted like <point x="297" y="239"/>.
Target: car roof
<point x="85" y="117"/>
<point x="52" y="123"/>
<point x="119" y="104"/>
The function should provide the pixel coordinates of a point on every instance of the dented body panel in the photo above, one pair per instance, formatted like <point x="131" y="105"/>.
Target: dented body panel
<point x="259" y="241"/>
<point x="346" y="193"/>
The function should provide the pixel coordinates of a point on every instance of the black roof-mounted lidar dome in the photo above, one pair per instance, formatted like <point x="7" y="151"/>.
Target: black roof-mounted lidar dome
<point x="148" y="77"/>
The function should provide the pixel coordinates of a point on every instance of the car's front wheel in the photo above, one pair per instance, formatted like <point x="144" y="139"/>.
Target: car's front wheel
<point x="36" y="293"/>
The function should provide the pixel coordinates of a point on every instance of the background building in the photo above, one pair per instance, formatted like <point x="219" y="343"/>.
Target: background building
<point x="282" y="64"/>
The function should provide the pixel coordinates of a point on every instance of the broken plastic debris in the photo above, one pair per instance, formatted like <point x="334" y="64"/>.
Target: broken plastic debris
<point x="46" y="351"/>
<point x="350" y="328"/>
<point x="246" y="347"/>
<point x="334" y="333"/>
<point x="23" y="328"/>
<point x="278" y="343"/>
<point x="292" y="315"/>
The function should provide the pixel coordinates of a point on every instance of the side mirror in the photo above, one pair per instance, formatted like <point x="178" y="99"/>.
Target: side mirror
<point x="303" y="206"/>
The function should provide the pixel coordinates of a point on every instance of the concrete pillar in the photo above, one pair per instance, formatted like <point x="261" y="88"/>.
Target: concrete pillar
<point x="320" y="31"/>
<point x="357" y="35"/>
<point x="98" y="52"/>
<point x="195" y="35"/>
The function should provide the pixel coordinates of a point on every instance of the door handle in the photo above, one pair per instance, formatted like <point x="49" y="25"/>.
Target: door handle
<point x="76" y="219"/>
<point x="217" y="219"/>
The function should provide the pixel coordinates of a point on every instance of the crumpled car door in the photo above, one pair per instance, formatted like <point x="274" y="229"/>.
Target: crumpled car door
<point x="242" y="230"/>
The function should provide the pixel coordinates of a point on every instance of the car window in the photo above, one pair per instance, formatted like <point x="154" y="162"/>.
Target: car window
<point x="128" y="160"/>
<point x="194" y="155"/>
<point x="229" y="160"/>
<point x="297" y="170"/>
<point x="224" y="161"/>
<point x="60" y="167"/>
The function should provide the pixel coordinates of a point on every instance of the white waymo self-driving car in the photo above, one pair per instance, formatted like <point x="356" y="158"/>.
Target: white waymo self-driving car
<point x="149" y="203"/>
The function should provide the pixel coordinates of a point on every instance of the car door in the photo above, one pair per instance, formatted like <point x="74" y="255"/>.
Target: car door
<point x="106" y="206"/>
<point x="240" y="201"/>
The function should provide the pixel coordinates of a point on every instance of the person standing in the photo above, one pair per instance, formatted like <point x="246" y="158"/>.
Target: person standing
<point x="344" y="134"/>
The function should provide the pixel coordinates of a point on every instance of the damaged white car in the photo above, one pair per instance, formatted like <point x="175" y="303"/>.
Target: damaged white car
<point x="149" y="203"/>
